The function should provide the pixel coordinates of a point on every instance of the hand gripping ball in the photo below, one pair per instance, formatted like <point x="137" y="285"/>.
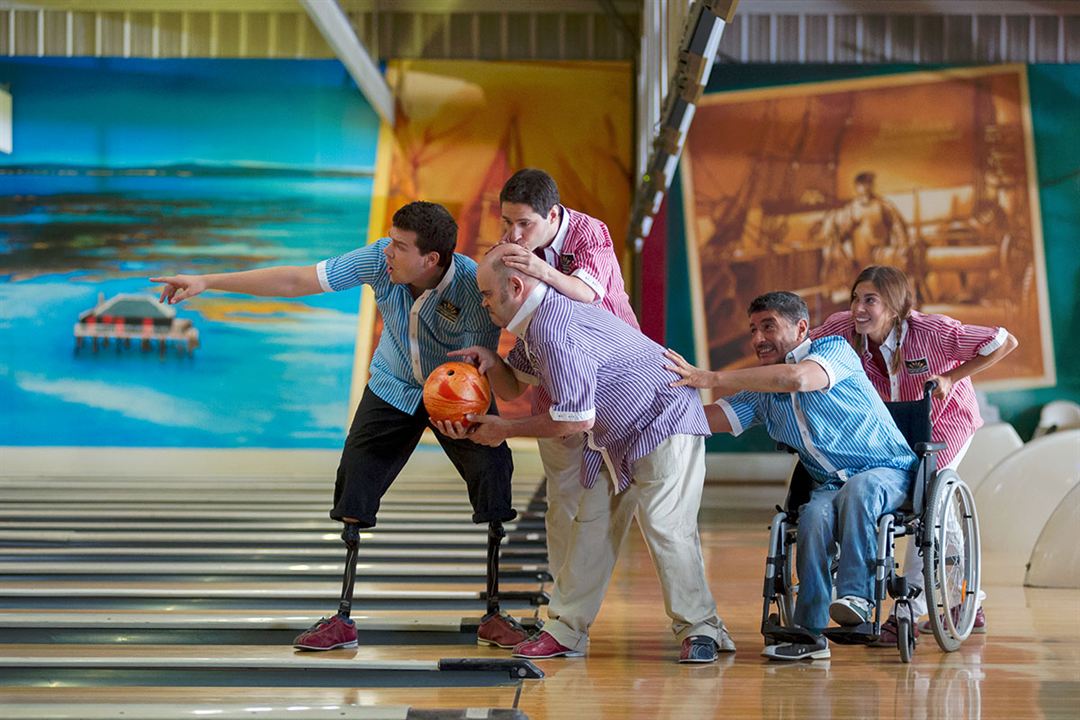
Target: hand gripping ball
<point x="455" y="389"/>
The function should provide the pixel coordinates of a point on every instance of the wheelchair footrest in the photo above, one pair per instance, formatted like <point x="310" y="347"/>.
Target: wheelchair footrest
<point x="862" y="634"/>
<point x="774" y="633"/>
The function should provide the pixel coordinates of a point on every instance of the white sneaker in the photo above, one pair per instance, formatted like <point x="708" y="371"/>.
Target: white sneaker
<point x="850" y="610"/>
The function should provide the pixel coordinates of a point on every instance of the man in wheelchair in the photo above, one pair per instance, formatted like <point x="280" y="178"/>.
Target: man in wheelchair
<point x="814" y="397"/>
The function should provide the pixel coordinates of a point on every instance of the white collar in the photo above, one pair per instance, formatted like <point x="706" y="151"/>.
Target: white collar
<point x="447" y="278"/>
<point x="895" y="339"/>
<point x="520" y="322"/>
<point x="799" y="353"/>
<point x="560" y="235"/>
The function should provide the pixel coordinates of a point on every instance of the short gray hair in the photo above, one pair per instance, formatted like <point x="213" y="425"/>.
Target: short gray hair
<point x="786" y="304"/>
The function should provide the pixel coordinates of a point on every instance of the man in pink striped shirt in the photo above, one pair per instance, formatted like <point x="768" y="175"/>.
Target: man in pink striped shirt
<point x="572" y="253"/>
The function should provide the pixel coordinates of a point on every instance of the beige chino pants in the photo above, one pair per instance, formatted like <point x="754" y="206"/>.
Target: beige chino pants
<point x="665" y="495"/>
<point x="561" y="458"/>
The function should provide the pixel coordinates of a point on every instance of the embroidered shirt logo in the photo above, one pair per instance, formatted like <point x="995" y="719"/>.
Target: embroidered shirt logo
<point x="448" y="310"/>
<point x="917" y="367"/>
<point x="566" y="263"/>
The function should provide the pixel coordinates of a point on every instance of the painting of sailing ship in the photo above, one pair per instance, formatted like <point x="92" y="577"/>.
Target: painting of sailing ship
<point x="799" y="187"/>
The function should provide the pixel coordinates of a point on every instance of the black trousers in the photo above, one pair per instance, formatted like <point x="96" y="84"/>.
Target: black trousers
<point x="380" y="442"/>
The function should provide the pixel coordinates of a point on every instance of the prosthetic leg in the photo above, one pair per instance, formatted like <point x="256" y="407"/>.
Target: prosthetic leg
<point x="338" y="631"/>
<point x="497" y="628"/>
<point x="351" y="536"/>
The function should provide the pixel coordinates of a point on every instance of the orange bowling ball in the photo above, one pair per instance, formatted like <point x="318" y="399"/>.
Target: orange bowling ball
<point x="455" y="389"/>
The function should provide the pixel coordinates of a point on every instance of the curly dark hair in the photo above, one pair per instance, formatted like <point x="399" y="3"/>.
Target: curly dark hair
<point x="434" y="226"/>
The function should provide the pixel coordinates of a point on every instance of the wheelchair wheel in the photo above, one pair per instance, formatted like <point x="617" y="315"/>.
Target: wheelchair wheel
<point x="951" y="560"/>
<point x="905" y="639"/>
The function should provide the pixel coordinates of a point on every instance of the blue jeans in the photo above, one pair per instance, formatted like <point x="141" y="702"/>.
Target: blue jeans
<point x="845" y="517"/>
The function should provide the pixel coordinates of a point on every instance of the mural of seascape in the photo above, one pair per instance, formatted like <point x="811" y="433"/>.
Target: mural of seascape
<point x="123" y="169"/>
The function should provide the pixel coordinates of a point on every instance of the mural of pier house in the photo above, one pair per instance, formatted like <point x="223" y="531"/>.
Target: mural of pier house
<point x="127" y="317"/>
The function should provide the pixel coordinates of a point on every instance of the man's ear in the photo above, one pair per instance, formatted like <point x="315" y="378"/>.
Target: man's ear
<point x="804" y="329"/>
<point x="553" y="213"/>
<point x="517" y="285"/>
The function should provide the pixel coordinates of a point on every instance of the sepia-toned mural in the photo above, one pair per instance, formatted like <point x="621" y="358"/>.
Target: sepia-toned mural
<point x="799" y="187"/>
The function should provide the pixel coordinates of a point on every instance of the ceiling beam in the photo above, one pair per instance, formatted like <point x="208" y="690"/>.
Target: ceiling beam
<point x="627" y="7"/>
<point x="339" y="35"/>
<point x="910" y="7"/>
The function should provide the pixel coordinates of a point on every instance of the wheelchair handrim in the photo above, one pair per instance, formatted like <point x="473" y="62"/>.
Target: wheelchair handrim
<point x="953" y="516"/>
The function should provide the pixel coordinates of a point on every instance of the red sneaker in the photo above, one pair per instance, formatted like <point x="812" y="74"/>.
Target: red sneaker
<point x="544" y="646"/>
<point x="889" y="630"/>
<point x="979" y="628"/>
<point x="337" y="632"/>
<point x="501" y="630"/>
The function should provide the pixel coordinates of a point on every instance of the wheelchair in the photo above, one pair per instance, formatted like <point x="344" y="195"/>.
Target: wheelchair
<point x="939" y="515"/>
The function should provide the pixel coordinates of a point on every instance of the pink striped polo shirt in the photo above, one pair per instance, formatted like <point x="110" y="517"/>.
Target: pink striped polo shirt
<point x="583" y="249"/>
<point x="932" y="345"/>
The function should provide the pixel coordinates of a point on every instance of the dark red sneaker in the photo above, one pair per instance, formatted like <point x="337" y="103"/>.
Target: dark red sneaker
<point x="544" y="646"/>
<point x="501" y="630"/>
<point x="979" y="628"/>
<point x="888" y="638"/>
<point x="337" y="632"/>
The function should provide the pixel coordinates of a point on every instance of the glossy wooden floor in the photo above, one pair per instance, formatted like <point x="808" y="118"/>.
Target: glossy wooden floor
<point x="1027" y="666"/>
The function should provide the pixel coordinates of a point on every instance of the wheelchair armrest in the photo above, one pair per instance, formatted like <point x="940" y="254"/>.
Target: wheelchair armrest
<point x="926" y="448"/>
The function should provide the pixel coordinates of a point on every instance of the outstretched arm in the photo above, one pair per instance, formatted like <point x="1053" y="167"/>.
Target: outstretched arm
<point x="805" y="376"/>
<point x="281" y="281"/>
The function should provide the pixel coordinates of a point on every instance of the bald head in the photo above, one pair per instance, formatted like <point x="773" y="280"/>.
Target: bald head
<point x="493" y="261"/>
<point x="503" y="288"/>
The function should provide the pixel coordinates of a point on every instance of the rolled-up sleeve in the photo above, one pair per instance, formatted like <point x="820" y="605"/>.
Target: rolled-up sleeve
<point x="569" y="377"/>
<point x="357" y="267"/>
<point x="962" y="342"/>
<point x="836" y="358"/>
<point x="743" y="410"/>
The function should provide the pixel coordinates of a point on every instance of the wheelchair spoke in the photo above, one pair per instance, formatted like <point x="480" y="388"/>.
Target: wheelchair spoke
<point x="952" y="570"/>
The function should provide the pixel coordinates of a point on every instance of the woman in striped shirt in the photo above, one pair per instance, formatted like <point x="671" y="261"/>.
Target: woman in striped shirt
<point x="901" y="349"/>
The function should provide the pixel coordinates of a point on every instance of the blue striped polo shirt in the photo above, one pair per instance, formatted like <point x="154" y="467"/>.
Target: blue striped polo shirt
<point x="840" y="431"/>
<point x="595" y="366"/>
<point x="417" y="332"/>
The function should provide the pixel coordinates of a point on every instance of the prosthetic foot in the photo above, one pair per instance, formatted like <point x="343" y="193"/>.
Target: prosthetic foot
<point x="497" y="628"/>
<point x="338" y="631"/>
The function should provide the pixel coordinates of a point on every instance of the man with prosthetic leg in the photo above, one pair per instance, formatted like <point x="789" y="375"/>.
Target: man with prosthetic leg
<point x="380" y="442"/>
<point x="427" y="296"/>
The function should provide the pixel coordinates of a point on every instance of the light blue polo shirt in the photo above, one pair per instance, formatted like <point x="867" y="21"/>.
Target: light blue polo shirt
<point x="417" y="332"/>
<point x="839" y="431"/>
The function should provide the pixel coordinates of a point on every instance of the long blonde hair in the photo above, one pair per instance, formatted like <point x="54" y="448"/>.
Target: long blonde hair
<point x="896" y="294"/>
